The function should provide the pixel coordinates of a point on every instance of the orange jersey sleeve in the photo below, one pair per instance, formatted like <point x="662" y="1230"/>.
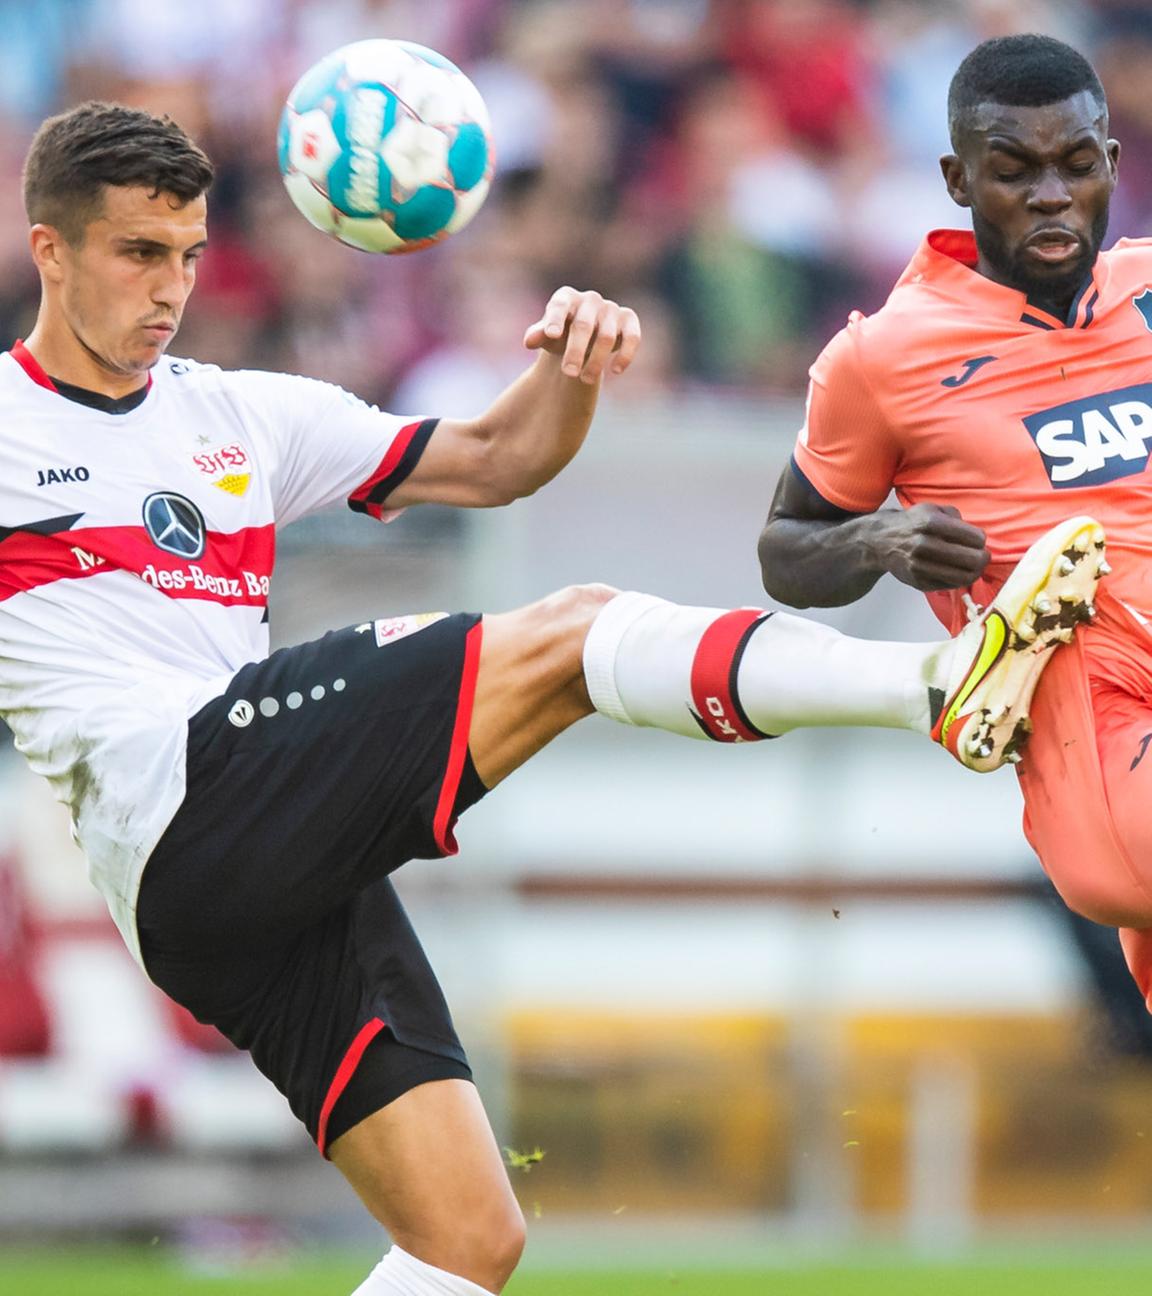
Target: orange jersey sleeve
<point x="846" y="448"/>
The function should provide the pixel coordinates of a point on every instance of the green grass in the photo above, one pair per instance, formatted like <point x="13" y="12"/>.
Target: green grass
<point x="117" y="1273"/>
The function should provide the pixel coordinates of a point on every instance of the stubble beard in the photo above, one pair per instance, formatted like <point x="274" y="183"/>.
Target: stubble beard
<point x="1051" y="292"/>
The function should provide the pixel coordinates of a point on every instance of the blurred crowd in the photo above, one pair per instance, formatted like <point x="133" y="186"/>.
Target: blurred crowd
<point x="745" y="172"/>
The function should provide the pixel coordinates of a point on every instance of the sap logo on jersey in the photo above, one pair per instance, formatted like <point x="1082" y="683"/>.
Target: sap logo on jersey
<point x="1096" y="439"/>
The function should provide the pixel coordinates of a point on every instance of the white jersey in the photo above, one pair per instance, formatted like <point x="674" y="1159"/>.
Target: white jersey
<point x="136" y="551"/>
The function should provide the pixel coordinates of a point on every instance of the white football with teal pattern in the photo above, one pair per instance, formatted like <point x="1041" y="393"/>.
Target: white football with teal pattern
<point x="386" y="146"/>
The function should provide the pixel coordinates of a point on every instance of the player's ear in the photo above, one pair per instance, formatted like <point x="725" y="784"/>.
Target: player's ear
<point x="1113" y="150"/>
<point x="956" y="179"/>
<point x="47" y="244"/>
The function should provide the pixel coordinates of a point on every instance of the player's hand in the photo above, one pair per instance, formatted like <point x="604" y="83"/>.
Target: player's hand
<point x="586" y="331"/>
<point x="931" y="547"/>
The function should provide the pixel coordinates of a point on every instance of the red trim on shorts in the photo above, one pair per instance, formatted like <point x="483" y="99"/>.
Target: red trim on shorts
<point x="712" y="683"/>
<point x="443" y="822"/>
<point x="31" y="366"/>
<point x="344" y="1073"/>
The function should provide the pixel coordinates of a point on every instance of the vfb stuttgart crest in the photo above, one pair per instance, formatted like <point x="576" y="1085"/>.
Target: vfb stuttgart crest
<point x="227" y="467"/>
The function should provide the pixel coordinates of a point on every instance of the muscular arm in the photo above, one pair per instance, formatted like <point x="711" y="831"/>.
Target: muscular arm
<point x="813" y="554"/>
<point x="535" y="427"/>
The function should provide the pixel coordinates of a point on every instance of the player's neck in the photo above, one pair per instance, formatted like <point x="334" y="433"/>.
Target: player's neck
<point x="1056" y="302"/>
<point x="62" y="355"/>
<point x="1058" y="306"/>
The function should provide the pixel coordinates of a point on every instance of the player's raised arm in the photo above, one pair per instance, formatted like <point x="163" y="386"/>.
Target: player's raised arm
<point x="535" y="427"/>
<point x="813" y="554"/>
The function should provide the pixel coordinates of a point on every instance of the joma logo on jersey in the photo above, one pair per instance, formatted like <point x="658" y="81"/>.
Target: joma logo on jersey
<point x="54" y="476"/>
<point x="1097" y="439"/>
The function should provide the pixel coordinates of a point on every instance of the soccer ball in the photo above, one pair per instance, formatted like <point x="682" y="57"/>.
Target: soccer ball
<point x="385" y="145"/>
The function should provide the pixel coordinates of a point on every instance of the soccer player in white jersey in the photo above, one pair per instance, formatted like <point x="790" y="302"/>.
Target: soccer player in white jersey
<point x="241" y="812"/>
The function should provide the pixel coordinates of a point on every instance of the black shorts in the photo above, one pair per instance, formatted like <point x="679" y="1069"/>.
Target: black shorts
<point x="266" y="908"/>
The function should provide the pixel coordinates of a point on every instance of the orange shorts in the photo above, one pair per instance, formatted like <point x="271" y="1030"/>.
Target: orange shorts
<point x="1087" y="779"/>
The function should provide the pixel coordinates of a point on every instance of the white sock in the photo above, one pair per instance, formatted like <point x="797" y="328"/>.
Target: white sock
<point x="743" y="675"/>
<point x="400" y="1274"/>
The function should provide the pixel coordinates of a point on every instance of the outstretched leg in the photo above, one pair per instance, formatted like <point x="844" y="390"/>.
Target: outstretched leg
<point x="737" y="676"/>
<point x="743" y="675"/>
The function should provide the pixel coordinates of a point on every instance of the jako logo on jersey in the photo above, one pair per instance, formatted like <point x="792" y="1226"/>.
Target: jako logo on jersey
<point x="175" y="524"/>
<point x="1096" y="439"/>
<point x="54" y="476"/>
<point x="1143" y="304"/>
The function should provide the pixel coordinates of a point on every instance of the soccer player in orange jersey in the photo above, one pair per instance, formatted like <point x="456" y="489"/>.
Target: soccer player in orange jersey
<point x="1007" y="383"/>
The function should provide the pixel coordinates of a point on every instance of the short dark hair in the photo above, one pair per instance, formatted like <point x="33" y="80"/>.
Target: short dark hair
<point x="1021" y="71"/>
<point x="76" y="153"/>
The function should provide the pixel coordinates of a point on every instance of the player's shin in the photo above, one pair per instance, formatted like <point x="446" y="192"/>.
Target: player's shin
<point x="748" y="674"/>
<point x="400" y="1274"/>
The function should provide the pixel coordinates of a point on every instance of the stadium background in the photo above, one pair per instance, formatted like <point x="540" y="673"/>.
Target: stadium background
<point x="756" y="1007"/>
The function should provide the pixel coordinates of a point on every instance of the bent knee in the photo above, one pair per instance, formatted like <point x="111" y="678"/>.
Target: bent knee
<point x="551" y="631"/>
<point x="483" y="1246"/>
<point x="578" y="604"/>
<point x="1108" y="901"/>
<point x="505" y="1244"/>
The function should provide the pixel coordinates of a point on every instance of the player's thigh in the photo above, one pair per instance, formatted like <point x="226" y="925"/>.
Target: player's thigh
<point x="530" y="685"/>
<point x="1088" y="802"/>
<point x="1124" y="737"/>
<point x="428" y="1168"/>
<point x="316" y="772"/>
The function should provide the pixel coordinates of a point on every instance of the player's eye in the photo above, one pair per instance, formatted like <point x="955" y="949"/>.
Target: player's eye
<point x="1007" y="168"/>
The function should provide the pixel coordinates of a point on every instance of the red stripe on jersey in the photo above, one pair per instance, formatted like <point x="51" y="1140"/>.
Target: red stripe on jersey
<point x="31" y="366"/>
<point x="443" y="821"/>
<point x="712" y="683"/>
<point x="344" y="1072"/>
<point x="235" y="568"/>
<point x="387" y="466"/>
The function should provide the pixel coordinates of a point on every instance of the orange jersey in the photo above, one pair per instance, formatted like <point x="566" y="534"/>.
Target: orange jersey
<point x="959" y="392"/>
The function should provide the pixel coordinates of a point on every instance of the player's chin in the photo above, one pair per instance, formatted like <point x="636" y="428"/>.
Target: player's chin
<point x="1055" y="278"/>
<point x="151" y="350"/>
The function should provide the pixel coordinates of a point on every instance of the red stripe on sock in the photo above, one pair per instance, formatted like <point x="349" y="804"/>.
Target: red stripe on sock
<point x="712" y="676"/>
<point x="344" y="1073"/>
<point x="442" y="821"/>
